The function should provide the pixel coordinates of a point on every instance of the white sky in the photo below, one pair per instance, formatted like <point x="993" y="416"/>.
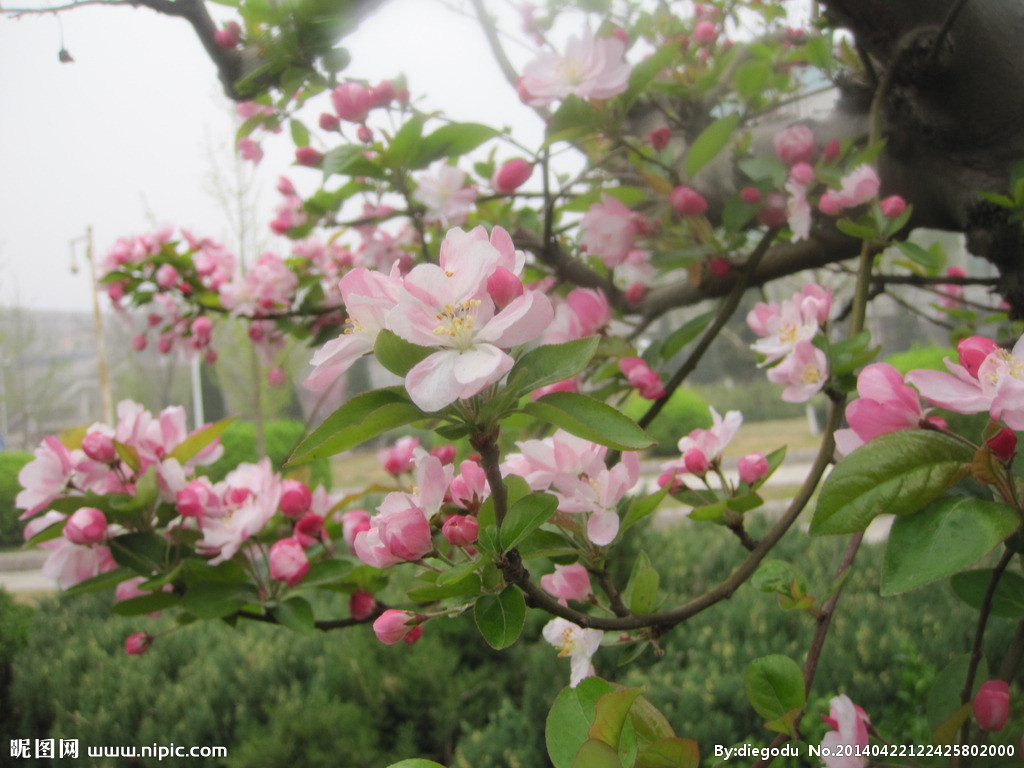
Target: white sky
<point x="120" y="139"/>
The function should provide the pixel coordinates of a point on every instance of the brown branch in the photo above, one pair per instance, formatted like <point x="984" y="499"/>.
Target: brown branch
<point x="324" y="625"/>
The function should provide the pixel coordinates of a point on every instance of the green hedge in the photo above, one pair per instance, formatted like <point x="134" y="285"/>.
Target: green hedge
<point x="276" y="698"/>
<point x="11" y="463"/>
<point x="685" y="411"/>
<point x="281" y="435"/>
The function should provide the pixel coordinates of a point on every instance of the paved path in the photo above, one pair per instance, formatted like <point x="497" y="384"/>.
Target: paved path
<point x="19" y="572"/>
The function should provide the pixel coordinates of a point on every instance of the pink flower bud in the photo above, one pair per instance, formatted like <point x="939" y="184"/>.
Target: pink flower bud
<point x="295" y="498"/>
<point x="659" y="138"/>
<point x="202" y="329"/>
<point x="364" y="134"/>
<point x="309" y="529"/>
<point x="568" y="582"/>
<point x="750" y="195"/>
<point x="1003" y="444"/>
<point x="329" y="122"/>
<point x="511" y="175"/>
<point x="802" y="173"/>
<point x="288" y="562"/>
<point x="138" y="643"/>
<point x="139" y="342"/>
<point x="704" y="33"/>
<point x="830" y="204"/>
<point x="166" y="276"/>
<point x="752" y="468"/>
<point x="393" y="625"/>
<point x="99" y="447"/>
<point x="414" y="635"/>
<point x="87" y="525"/>
<point x="210" y="356"/>
<point x="361" y="604"/>
<point x="992" y="705"/>
<point x="773" y="212"/>
<point x="642" y="378"/>
<point x="352" y="102"/>
<point x="285" y="186"/>
<point x="695" y="461"/>
<point x="794" y="144"/>
<point x="399" y="457"/>
<point x="197" y="499"/>
<point x="460" y="530"/>
<point x="504" y="287"/>
<point x="308" y="156"/>
<point x="276" y="376"/>
<point x="719" y="266"/>
<point x="893" y="206"/>
<point x="444" y="453"/>
<point x="164" y="344"/>
<point x="591" y="308"/>
<point x="973" y="351"/>
<point x="353" y="522"/>
<point x="831" y="150"/>
<point x="688" y="202"/>
<point x="635" y="293"/>
<point x="383" y="93"/>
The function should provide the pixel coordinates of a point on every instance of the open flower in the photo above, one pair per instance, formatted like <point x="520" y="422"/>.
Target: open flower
<point x="849" y="733"/>
<point x="886" y="404"/>
<point x="591" y="68"/>
<point x="575" y="642"/>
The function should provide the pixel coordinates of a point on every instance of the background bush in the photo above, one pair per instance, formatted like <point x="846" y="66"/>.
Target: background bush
<point x="684" y="412"/>
<point x="11" y="463"/>
<point x="281" y="436"/>
<point x="276" y="698"/>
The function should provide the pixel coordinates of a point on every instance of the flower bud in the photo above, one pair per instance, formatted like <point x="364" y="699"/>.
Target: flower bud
<point x="460" y="530"/>
<point x="352" y="102"/>
<point x="364" y="134"/>
<point x="166" y="276"/>
<point x="1003" y="445"/>
<point x="752" y="468"/>
<point x="802" y="173"/>
<point x="288" y="562"/>
<point x="750" y="195"/>
<point x="794" y="145"/>
<point x="831" y="150"/>
<point x="892" y="207"/>
<point x="361" y="604"/>
<point x="973" y="351"/>
<point x="138" y="643"/>
<point x="276" y="377"/>
<point x="99" y="447"/>
<point x="87" y="525"/>
<point x="659" y="138"/>
<point x="352" y="522"/>
<point x="444" y="453"/>
<point x="992" y="705"/>
<point x="393" y="625"/>
<point x="139" y="342"/>
<point x="309" y="529"/>
<point x="308" y="156"/>
<point x="695" y="461"/>
<point x="295" y="498"/>
<point x="773" y="212"/>
<point x="719" y="266"/>
<point x="704" y="33"/>
<point x="504" y="287"/>
<point x="830" y="204"/>
<point x="329" y="122"/>
<point x="511" y="175"/>
<point x="202" y="329"/>
<point x="688" y="202"/>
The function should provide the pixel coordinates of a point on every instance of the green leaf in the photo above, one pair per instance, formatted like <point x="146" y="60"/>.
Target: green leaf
<point x="326" y="572"/>
<point x="100" y="582"/>
<point x="569" y="720"/>
<point x="214" y="599"/>
<point x="610" y="715"/>
<point x="361" y="418"/>
<point x="686" y="333"/>
<point x="398" y="355"/>
<point x="710" y="142"/>
<point x="944" y="696"/>
<point x="753" y="78"/>
<point x="765" y="168"/>
<point x="551" y="363"/>
<point x="1008" y="599"/>
<point x="351" y="160"/>
<point x="300" y="134"/>
<point x="942" y="539"/>
<point x="195" y="442"/>
<point x="526" y="516"/>
<point x="641" y="594"/>
<point x="644" y="72"/>
<point x="857" y="231"/>
<point x="930" y="261"/>
<point x="500" y="617"/>
<point x="896" y="473"/>
<point x="296" y="614"/>
<point x="450" y="141"/>
<point x="573" y="118"/>
<point x="642" y="507"/>
<point x="416" y="762"/>
<point x="462" y="587"/>
<point x="144" y="553"/>
<point x="590" y="419"/>
<point x="137" y="606"/>
<point x="669" y="753"/>
<point x="775" y="688"/>
<point x="404" y="142"/>
<point x="596" y="754"/>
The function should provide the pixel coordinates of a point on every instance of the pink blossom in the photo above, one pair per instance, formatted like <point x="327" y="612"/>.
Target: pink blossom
<point x="198" y="498"/>
<point x="798" y="210"/>
<point x="568" y="582"/>
<point x="609" y="229"/>
<point x="394" y="625"/>
<point x="308" y="156"/>
<point x="399" y="458"/>
<point x="86" y="525"/>
<point x="361" y="604"/>
<point x="592" y="310"/>
<point x="1003" y="444"/>
<point x="511" y="175"/>
<point x="781" y="327"/>
<point x="503" y="286"/>
<point x="444" y="453"/>
<point x="688" y="202"/>
<point x="849" y="734"/>
<point x="954" y="292"/>
<point x="295" y="498"/>
<point x="252" y="494"/>
<point x="575" y="642"/>
<point x="71" y="564"/>
<point x="443" y="192"/>
<point x="45" y="478"/>
<point x="973" y="351"/>
<point x="249" y="150"/>
<point x="266" y="287"/>
<point x="98" y="444"/>
<point x="696" y="462"/>
<point x="645" y="381"/>
<point x="753" y="467"/>
<point x="892" y="207"/>
<point x="230" y="36"/>
<point x="288" y="561"/>
<point x="704" y="33"/>
<point x="470" y="488"/>
<point x="992" y="705"/>
<point x="352" y="522"/>
<point x="460" y="530"/>
<point x="886" y="404"/>
<point x="447" y="307"/>
<point x="352" y="101"/>
<point x="859" y="186"/>
<point x="750" y="195"/>
<point x="794" y="144"/>
<point x="804" y="372"/>
<point x="712" y="441"/>
<point x="591" y="68"/>
<point x="138" y="643"/>
<point x="773" y="211"/>
<point x="659" y="138"/>
<point x="329" y="122"/>
<point x="830" y="204"/>
<point x="802" y="173"/>
<point x="309" y="529"/>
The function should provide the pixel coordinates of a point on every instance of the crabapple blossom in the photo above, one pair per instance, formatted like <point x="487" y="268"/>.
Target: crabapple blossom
<point x="399" y="458"/>
<point x="444" y="453"/>
<point x="352" y="522"/>
<point x="688" y="202"/>
<point x="98" y="444"/>
<point x="973" y="351"/>
<point x="645" y="381"/>
<point x="45" y="477"/>
<point x="71" y="564"/>
<point x="361" y="604"/>
<point x="849" y="734"/>
<point x="804" y="372"/>
<point x="460" y="530"/>
<point x="781" y="328"/>
<point x="696" y="462"/>
<point x="992" y="705"/>
<point x="704" y="33"/>
<point x="568" y="582"/>
<point x="295" y="498"/>
<point x="892" y="207"/>
<point x="511" y="175"/>
<point x="886" y="404"/>
<point x="445" y="195"/>
<point x="138" y="643"/>
<point x="86" y="525"/>
<point x="352" y="101"/>
<point x="309" y="529"/>
<point x="592" y="310"/>
<point x="752" y="468"/>
<point x="773" y="212"/>
<point x="659" y="138"/>
<point x="575" y="642"/>
<point x="609" y="229"/>
<point x="249" y="150"/>
<point x="798" y="210"/>
<point x="857" y="187"/>
<point x="198" y="498"/>
<point x="288" y="561"/>
<point x="469" y="489"/>
<point x="1003" y="444"/>
<point x="394" y="625"/>
<point x="794" y="144"/>
<point x="590" y="68"/>
<point x="252" y="495"/>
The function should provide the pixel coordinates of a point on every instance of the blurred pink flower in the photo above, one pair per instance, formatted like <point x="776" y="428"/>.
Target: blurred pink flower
<point x="591" y="68"/>
<point x="886" y="404"/>
<point x="849" y="734"/>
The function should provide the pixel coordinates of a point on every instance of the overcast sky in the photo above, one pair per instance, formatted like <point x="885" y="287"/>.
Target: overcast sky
<point x="122" y="138"/>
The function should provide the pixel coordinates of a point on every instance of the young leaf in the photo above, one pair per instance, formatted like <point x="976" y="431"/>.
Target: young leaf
<point x="296" y="614"/>
<point x="551" y="363"/>
<point x="596" y="754"/>
<point x="416" y="762"/>
<point x="671" y="752"/>
<point x="942" y="539"/>
<point x="775" y="688"/>
<point x="710" y="142"/>
<point x="214" y="600"/>
<point x="610" y="715"/>
<point x="195" y="442"/>
<point x="500" y="617"/>
<point x="398" y="355"/>
<point x="898" y="473"/>
<point x="450" y="141"/>
<point x="364" y="416"/>
<point x="590" y="419"/>
<point x="137" y="606"/>
<point x="525" y="516"/>
<point x="1008" y="600"/>
<point x="569" y="720"/>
